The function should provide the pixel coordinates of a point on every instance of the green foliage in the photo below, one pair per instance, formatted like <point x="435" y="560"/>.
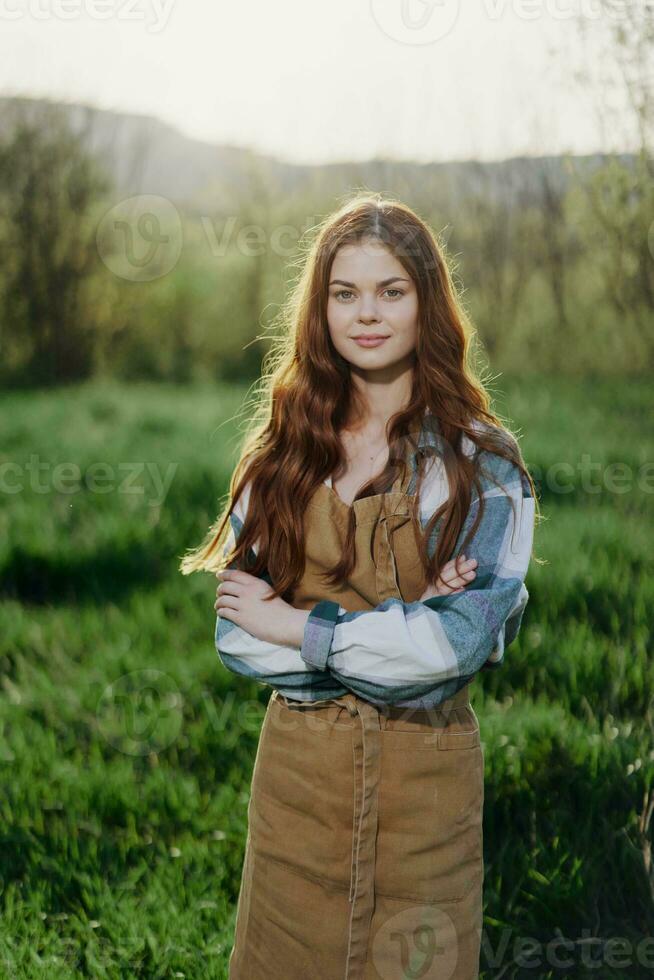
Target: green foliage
<point x="127" y="749"/>
<point x="49" y="187"/>
<point x="556" y="271"/>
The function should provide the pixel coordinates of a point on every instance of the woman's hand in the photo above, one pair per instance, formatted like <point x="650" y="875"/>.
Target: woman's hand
<point x="455" y="575"/>
<point x="241" y="598"/>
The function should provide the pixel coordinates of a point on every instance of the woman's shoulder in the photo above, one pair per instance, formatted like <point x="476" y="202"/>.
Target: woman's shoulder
<point x="501" y="464"/>
<point x="499" y="433"/>
<point x="493" y="467"/>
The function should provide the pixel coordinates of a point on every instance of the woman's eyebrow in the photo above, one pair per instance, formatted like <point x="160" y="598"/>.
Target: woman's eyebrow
<point x="384" y="282"/>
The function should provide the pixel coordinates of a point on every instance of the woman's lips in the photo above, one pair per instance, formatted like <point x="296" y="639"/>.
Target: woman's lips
<point x="372" y="341"/>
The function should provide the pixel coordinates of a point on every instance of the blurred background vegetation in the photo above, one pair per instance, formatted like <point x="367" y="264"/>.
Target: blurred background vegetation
<point x="140" y="275"/>
<point x="128" y="251"/>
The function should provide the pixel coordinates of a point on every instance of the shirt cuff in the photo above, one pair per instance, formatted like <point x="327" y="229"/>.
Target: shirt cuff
<point x="318" y="633"/>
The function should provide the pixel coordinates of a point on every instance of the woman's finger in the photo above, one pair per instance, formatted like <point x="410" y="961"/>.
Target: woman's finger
<point x="226" y="602"/>
<point x="463" y="579"/>
<point x="454" y="581"/>
<point x="453" y="569"/>
<point x="465" y="574"/>
<point x="226" y="612"/>
<point x="229" y="595"/>
<point x="462" y="565"/>
<point x="229" y="588"/>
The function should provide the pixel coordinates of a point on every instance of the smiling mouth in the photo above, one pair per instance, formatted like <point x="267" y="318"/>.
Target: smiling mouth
<point x="370" y="340"/>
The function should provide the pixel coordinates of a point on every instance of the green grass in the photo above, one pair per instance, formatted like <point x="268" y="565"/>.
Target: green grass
<point x="127" y="749"/>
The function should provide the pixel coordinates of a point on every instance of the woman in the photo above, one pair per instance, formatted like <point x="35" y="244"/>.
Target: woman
<point x="377" y="539"/>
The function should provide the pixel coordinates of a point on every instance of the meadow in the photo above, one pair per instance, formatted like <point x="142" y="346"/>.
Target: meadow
<point x="126" y="748"/>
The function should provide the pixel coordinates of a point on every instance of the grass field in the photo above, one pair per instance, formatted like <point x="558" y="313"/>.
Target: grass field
<point x="126" y="749"/>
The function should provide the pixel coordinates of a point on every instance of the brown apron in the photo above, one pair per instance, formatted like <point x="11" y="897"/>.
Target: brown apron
<point x="363" y="858"/>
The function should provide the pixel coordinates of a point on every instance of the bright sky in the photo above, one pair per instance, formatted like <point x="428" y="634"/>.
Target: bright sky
<point x="314" y="82"/>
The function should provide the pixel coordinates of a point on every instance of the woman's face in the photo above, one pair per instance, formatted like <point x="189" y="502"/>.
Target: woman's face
<point x="372" y="310"/>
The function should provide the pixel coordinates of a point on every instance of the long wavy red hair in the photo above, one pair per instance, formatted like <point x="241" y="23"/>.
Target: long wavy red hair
<point x="305" y="398"/>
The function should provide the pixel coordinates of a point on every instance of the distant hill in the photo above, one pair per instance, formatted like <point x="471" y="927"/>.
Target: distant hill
<point x="144" y="155"/>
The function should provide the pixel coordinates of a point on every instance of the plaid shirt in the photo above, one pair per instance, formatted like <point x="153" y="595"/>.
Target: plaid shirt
<point x="410" y="654"/>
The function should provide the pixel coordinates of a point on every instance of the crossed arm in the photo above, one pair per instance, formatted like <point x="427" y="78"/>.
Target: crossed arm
<point x="398" y="651"/>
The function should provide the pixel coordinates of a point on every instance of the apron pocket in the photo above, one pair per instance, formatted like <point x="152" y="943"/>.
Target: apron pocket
<point x="300" y="810"/>
<point x="430" y="840"/>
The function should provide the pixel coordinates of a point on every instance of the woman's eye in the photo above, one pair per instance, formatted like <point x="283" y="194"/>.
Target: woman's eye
<point x="346" y="293"/>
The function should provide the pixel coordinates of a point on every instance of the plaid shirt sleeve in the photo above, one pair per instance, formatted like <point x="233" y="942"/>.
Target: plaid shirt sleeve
<point x="269" y="663"/>
<point x="401" y="651"/>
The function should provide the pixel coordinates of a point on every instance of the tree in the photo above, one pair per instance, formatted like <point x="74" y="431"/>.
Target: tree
<point x="620" y="196"/>
<point x="48" y="188"/>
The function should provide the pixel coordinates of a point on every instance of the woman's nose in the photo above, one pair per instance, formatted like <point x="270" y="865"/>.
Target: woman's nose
<point x="368" y="311"/>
